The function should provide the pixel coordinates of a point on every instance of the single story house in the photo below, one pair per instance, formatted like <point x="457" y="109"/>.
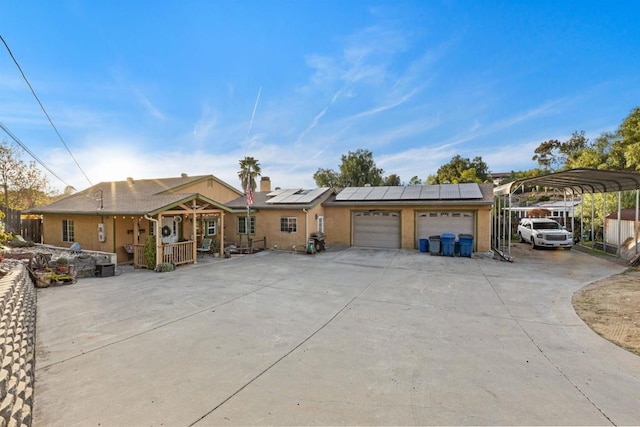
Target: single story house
<point x="118" y="217"/>
<point x="180" y="212"/>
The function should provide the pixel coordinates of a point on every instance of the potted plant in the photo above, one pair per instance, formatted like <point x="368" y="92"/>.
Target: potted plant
<point x="62" y="265"/>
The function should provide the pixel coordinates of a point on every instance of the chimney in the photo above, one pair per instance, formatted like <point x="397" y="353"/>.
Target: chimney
<point x="184" y="175"/>
<point x="265" y="184"/>
<point x="130" y="180"/>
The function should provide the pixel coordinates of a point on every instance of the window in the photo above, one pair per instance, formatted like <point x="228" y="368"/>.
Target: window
<point x="321" y="224"/>
<point x="211" y="227"/>
<point x="242" y="225"/>
<point x="67" y="230"/>
<point x="288" y="224"/>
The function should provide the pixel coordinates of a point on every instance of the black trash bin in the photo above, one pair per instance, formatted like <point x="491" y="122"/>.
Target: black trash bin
<point x="318" y="238"/>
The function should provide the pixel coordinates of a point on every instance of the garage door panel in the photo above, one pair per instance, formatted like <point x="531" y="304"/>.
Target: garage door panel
<point x="378" y="229"/>
<point x="437" y="223"/>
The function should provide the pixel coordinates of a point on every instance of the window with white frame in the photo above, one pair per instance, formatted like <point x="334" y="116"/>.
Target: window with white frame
<point x="67" y="230"/>
<point x="211" y="227"/>
<point x="242" y="225"/>
<point x="288" y="224"/>
<point x="321" y="224"/>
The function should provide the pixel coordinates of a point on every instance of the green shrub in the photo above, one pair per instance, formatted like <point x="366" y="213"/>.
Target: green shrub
<point x="165" y="267"/>
<point x="150" y="252"/>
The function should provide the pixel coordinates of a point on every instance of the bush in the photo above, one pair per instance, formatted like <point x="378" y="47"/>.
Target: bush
<point x="150" y="252"/>
<point x="165" y="267"/>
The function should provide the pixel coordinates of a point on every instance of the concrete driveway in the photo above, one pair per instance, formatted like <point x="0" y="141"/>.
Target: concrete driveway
<point x="345" y="337"/>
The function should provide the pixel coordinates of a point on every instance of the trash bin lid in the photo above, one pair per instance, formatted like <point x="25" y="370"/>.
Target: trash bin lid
<point x="434" y="237"/>
<point x="448" y="236"/>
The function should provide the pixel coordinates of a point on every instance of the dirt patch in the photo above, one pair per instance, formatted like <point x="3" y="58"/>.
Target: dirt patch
<point x="611" y="307"/>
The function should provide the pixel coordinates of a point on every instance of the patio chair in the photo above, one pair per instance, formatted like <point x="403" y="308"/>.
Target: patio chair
<point x="205" y="248"/>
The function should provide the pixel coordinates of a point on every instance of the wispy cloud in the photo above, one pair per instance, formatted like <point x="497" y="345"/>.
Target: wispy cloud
<point x="151" y="109"/>
<point x="206" y="122"/>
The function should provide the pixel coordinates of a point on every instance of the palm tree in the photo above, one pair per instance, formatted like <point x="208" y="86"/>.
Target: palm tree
<point x="249" y="170"/>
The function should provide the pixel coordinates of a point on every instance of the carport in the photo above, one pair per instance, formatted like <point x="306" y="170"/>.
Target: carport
<point x="572" y="183"/>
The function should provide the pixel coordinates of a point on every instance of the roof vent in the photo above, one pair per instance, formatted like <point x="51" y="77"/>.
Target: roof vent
<point x="130" y="180"/>
<point x="183" y="175"/>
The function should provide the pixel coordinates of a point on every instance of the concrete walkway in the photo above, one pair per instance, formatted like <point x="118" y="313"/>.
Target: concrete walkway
<point x="349" y="337"/>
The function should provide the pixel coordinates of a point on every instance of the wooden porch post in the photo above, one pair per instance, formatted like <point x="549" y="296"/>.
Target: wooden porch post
<point x="159" y="252"/>
<point x="221" y="234"/>
<point x="193" y="233"/>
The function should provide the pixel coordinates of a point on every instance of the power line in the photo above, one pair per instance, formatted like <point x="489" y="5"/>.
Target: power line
<point x="44" y="111"/>
<point x="25" y="148"/>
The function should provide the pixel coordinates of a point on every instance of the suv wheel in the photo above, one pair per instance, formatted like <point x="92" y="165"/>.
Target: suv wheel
<point x="533" y="243"/>
<point x="521" y="238"/>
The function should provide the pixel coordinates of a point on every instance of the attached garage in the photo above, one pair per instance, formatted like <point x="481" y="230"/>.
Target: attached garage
<point x="396" y="217"/>
<point x="376" y="229"/>
<point x="440" y="222"/>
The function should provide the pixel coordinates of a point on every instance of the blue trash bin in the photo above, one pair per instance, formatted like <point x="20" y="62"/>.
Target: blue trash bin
<point x="424" y="245"/>
<point x="466" y="244"/>
<point x="448" y="241"/>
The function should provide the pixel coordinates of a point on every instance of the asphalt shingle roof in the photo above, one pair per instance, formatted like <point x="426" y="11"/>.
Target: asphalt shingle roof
<point x="135" y="197"/>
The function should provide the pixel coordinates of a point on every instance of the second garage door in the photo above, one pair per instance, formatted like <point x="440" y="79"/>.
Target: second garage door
<point x="376" y="229"/>
<point x="437" y="223"/>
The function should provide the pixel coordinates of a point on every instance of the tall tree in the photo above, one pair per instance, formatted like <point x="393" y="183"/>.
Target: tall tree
<point x="31" y="188"/>
<point x="10" y="169"/>
<point x="629" y="132"/>
<point x="460" y="170"/>
<point x="249" y="170"/>
<point x="392" y="180"/>
<point x="326" y="178"/>
<point x="415" y="180"/>
<point x="357" y="169"/>
<point x="555" y="155"/>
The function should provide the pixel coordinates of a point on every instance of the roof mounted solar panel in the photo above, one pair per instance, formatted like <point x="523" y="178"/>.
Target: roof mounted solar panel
<point x="449" y="191"/>
<point x="394" y="193"/>
<point x="411" y="192"/>
<point x="470" y="191"/>
<point x="430" y="192"/>
<point x="283" y="195"/>
<point x="361" y="193"/>
<point x="346" y="193"/>
<point x="377" y="193"/>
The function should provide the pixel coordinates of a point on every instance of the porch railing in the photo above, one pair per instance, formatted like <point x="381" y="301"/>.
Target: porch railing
<point x="177" y="253"/>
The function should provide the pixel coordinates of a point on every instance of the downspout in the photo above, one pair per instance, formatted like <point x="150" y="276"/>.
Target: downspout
<point x="306" y="226"/>
<point x="158" y="241"/>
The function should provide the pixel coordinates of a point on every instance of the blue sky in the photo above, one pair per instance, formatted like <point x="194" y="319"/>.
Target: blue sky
<point x="150" y="89"/>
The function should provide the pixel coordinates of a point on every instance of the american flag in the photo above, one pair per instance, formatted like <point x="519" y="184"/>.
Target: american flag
<point x="249" y="196"/>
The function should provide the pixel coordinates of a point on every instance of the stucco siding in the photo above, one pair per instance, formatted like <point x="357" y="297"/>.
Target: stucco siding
<point x="268" y="225"/>
<point x="213" y="190"/>
<point x="338" y="224"/>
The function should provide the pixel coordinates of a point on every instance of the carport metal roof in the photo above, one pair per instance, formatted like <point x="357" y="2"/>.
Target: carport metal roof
<point x="574" y="181"/>
<point x="579" y="181"/>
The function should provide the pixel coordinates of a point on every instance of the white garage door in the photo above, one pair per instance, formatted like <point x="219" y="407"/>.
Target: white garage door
<point x="376" y="229"/>
<point x="437" y="223"/>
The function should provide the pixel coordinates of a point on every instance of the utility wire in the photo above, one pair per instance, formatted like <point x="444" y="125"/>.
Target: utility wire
<point x="44" y="111"/>
<point x="25" y="148"/>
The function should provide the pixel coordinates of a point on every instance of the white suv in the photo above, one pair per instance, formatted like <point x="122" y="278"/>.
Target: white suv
<point x="544" y="232"/>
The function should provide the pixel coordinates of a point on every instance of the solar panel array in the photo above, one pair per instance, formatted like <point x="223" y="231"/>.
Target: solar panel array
<point x="294" y="196"/>
<point x="412" y="192"/>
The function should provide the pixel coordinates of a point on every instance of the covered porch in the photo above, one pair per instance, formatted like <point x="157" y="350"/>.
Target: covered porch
<point x="179" y="230"/>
